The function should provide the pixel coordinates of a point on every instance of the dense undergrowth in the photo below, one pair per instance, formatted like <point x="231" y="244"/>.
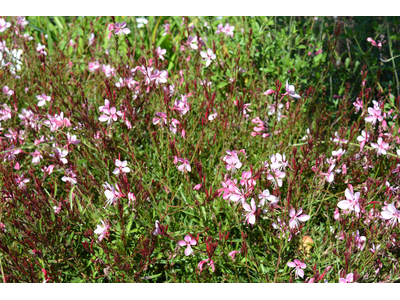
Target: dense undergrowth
<point x="170" y="149"/>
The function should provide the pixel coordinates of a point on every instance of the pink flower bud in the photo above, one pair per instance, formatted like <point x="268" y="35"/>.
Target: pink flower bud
<point x="269" y="92"/>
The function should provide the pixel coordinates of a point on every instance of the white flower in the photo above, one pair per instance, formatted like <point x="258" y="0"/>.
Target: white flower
<point x="208" y="56"/>
<point x="121" y="167"/>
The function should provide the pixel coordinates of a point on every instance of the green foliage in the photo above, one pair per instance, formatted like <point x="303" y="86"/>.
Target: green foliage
<point x="264" y="53"/>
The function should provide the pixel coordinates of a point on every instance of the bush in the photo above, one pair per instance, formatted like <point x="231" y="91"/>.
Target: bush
<point x="199" y="149"/>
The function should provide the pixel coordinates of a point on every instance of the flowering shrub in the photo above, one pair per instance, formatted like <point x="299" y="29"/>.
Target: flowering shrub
<point x="159" y="149"/>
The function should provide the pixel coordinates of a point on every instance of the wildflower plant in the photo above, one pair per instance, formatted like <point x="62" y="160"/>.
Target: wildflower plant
<point x="199" y="149"/>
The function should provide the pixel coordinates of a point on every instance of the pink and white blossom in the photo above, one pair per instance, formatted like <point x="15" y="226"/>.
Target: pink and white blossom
<point x="188" y="241"/>
<point x="185" y="166"/>
<point x="42" y="99"/>
<point x="37" y="156"/>
<point x="4" y="25"/>
<point x="352" y="202"/>
<point x="7" y="91"/>
<point x="121" y="167"/>
<point x="348" y="279"/>
<point x="160" y="52"/>
<point x="208" y="56"/>
<point x="112" y="193"/>
<point x="391" y="214"/>
<point x="381" y="146"/>
<point x="93" y="66"/>
<point x="375" y="114"/>
<point x="251" y="210"/>
<point x="297" y="218"/>
<point x="299" y="267"/>
<point x="120" y="28"/>
<point x="363" y="138"/>
<point x="290" y="91"/>
<point x="102" y="230"/>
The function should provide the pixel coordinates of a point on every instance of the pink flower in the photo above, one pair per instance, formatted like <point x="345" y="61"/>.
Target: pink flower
<point x="36" y="157"/>
<point x="208" y="56"/>
<point x="91" y="39"/>
<point x="108" y="70"/>
<point x="278" y="161"/>
<point x="358" y="104"/>
<point x="2" y="227"/>
<point x="48" y="169"/>
<point x="392" y="214"/>
<point x="197" y="187"/>
<point x="181" y="105"/>
<point x="349" y="278"/>
<point x="40" y="49"/>
<point x="121" y="167"/>
<point x="4" y="25"/>
<point x="372" y="42"/>
<point x="57" y="209"/>
<point x="336" y="214"/>
<point x="299" y="266"/>
<point x="157" y="230"/>
<point x="112" y="194"/>
<point x="159" y="76"/>
<point x="250" y="217"/>
<point x="70" y="177"/>
<point x="232" y="254"/>
<point x="220" y="28"/>
<point x="160" y="52"/>
<point x="363" y="138"/>
<point x="188" y="241"/>
<point x="42" y="99"/>
<point x="110" y="115"/>
<point x="192" y="42"/>
<point x="72" y="139"/>
<point x="269" y="92"/>
<point x="381" y="147"/>
<point x="238" y="195"/>
<point x="210" y="264"/>
<point x="296" y="218"/>
<point x="20" y="181"/>
<point x="247" y="180"/>
<point x="276" y="177"/>
<point x="359" y="240"/>
<point x="161" y="120"/>
<point x="227" y="30"/>
<point x="131" y="198"/>
<point x="290" y="91"/>
<point x="260" y="129"/>
<point x="166" y="29"/>
<point x="102" y="230"/>
<point x="93" y="66"/>
<point x="212" y="116"/>
<point x="265" y="195"/>
<point x="120" y="28"/>
<point x="60" y="154"/>
<point x="351" y="203"/>
<point x="7" y="91"/>
<point x="185" y="166"/>
<point x="374" y="114"/>
<point x="233" y="163"/>
<point x="330" y="175"/>
<point x="338" y="153"/>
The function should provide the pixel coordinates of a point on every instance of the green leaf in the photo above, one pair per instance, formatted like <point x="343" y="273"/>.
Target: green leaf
<point x="37" y="28"/>
<point x="222" y="84"/>
<point x="58" y="22"/>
